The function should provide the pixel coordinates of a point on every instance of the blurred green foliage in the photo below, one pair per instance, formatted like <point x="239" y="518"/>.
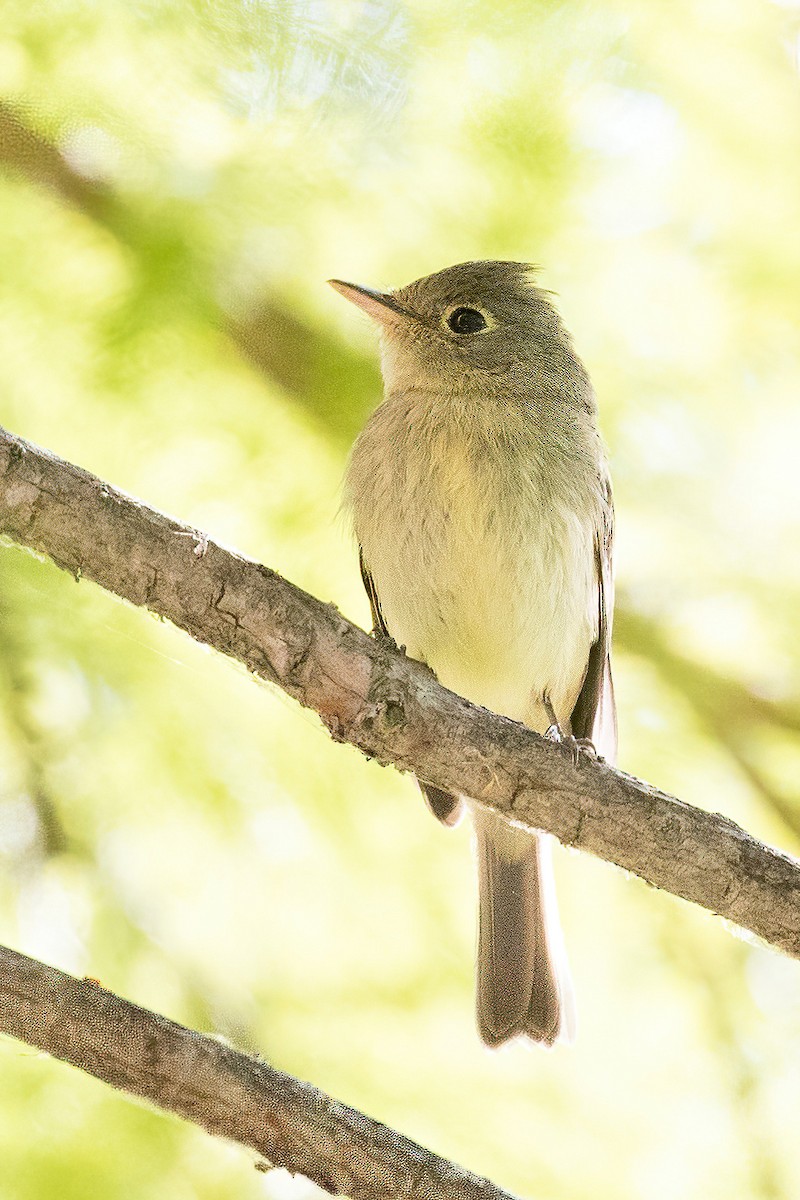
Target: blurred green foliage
<point x="177" y="180"/>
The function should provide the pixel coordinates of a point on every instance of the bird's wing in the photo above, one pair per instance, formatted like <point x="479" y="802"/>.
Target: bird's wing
<point x="445" y="807"/>
<point x="594" y="715"/>
<point x="378" y="623"/>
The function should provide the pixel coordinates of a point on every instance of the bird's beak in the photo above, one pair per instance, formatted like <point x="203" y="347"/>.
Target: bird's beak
<point x="379" y="305"/>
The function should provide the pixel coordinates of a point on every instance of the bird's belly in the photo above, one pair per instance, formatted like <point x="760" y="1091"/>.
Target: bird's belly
<point x="503" y="619"/>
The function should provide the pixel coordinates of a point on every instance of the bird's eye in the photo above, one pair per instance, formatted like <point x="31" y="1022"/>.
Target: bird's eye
<point x="466" y="320"/>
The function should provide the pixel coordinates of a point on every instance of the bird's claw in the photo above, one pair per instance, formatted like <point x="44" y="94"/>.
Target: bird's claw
<point x="380" y="635"/>
<point x="574" y="748"/>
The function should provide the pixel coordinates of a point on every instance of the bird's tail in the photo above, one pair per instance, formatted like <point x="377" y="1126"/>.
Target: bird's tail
<point x="524" y="984"/>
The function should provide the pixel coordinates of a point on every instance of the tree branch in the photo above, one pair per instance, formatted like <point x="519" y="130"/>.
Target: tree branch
<point x="388" y="706"/>
<point x="285" y="349"/>
<point x="227" y="1093"/>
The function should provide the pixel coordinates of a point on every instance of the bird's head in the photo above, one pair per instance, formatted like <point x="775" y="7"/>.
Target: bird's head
<point x="476" y="324"/>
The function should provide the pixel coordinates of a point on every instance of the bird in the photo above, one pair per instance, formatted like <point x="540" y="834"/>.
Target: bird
<point x="480" y="496"/>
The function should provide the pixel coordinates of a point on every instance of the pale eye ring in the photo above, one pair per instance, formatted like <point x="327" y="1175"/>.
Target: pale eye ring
<point x="463" y="320"/>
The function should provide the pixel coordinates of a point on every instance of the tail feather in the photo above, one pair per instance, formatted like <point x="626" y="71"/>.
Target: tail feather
<point x="523" y="984"/>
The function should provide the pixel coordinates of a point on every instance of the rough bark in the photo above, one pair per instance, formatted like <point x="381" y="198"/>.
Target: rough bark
<point x="233" y="1095"/>
<point x="388" y="706"/>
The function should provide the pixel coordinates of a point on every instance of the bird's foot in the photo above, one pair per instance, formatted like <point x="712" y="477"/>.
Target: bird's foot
<point x="571" y="746"/>
<point x="386" y="639"/>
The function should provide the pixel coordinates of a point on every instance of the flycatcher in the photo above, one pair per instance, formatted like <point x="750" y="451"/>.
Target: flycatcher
<point x="481" y="501"/>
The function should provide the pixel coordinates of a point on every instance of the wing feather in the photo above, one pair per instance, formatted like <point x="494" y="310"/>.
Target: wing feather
<point x="594" y="715"/>
<point x="444" y="806"/>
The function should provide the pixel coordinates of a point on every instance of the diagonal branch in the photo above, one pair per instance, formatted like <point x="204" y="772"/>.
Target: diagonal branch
<point x="285" y="349"/>
<point x="230" y="1094"/>
<point x="718" y="699"/>
<point x="388" y="706"/>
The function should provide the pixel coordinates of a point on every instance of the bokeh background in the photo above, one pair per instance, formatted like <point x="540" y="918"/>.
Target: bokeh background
<point x="177" y="180"/>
